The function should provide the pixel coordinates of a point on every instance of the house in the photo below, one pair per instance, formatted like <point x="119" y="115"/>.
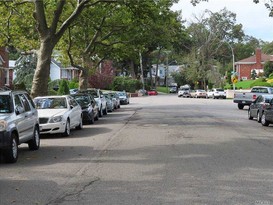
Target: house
<point x="57" y="71"/>
<point x="4" y="68"/>
<point x="164" y="71"/>
<point x="245" y="67"/>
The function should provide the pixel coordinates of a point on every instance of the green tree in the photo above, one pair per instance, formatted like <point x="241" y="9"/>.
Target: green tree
<point x="268" y="68"/>
<point x="63" y="88"/>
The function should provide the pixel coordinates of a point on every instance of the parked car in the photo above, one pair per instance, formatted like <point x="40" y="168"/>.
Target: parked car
<point x="200" y="94"/>
<point x="110" y="102"/>
<point x="116" y="99"/>
<point x="243" y="98"/>
<point x="173" y="89"/>
<point x="90" y="111"/>
<point x="123" y="97"/>
<point x="73" y="91"/>
<point x="18" y="124"/>
<point x="58" y="114"/>
<point x="152" y="92"/>
<point x="257" y="107"/>
<point x="267" y="115"/>
<point x="216" y="93"/>
<point x="100" y="99"/>
<point x="184" y="93"/>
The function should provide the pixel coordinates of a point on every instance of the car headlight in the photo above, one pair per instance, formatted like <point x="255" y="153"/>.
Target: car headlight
<point x="3" y="125"/>
<point x="56" y="119"/>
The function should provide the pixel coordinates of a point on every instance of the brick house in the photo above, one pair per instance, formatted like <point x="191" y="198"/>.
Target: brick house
<point x="256" y="62"/>
<point x="4" y="67"/>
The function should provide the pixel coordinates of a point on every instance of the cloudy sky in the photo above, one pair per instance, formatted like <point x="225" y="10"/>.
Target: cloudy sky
<point x="254" y="17"/>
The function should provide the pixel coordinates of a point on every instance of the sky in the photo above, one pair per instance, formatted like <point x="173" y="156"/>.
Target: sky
<point x="254" y="17"/>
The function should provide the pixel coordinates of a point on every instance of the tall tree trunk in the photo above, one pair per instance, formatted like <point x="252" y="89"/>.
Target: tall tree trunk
<point x="132" y="70"/>
<point x="42" y="72"/>
<point x="83" y="79"/>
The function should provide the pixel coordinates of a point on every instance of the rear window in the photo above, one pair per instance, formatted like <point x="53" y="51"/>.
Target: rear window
<point x="221" y="90"/>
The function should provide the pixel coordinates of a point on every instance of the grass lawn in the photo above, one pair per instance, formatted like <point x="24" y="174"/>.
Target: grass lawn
<point x="244" y="84"/>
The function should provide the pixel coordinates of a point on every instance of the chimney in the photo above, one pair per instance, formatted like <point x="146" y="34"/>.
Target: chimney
<point x="259" y="57"/>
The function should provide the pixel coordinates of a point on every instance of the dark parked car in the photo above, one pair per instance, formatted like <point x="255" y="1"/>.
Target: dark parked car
<point x="267" y="115"/>
<point x="89" y="109"/>
<point x="257" y="108"/>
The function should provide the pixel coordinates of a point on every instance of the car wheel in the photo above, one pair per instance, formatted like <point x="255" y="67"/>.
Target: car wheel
<point x="240" y="106"/>
<point x="11" y="154"/>
<point x="79" y="127"/>
<point x="92" y="119"/>
<point x="105" y="110"/>
<point x="100" y="112"/>
<point x="67" y="129"/>
<point x="258" y="117"/>
<point x="264" y="122"/>
<point x="249" y="115"/>
<point x="34" y="143"/>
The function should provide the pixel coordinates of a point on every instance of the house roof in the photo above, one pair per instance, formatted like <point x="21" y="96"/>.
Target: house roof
<point x="252" y="59"/>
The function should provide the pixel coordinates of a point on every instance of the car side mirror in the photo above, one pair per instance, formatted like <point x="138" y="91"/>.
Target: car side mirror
<point x="19" y="110"/>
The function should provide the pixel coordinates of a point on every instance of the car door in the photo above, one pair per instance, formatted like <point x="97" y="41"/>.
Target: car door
<point x="23" y="117"/>
<point x="75" y="115"/>
<point x="255" y="106"/>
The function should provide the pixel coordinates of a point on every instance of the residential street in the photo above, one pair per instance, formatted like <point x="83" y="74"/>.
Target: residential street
<point x="156" y="150"/>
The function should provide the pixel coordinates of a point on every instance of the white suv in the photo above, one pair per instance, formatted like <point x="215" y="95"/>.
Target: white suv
<point x="18" y="123"/>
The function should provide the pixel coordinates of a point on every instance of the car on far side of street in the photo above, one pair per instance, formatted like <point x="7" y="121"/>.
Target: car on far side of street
<point x="216" y="93"/>
<point x="152" y="92"/>
<point x="200" y="93"/>
<point x="257" y="107"/>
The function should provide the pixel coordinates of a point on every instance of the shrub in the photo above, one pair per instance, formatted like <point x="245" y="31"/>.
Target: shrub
<point x="126" y="83"/>
<point x="63" y="89"/>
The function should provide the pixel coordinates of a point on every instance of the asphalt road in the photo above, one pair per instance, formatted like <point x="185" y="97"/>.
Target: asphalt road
<point x="156" y="150"/>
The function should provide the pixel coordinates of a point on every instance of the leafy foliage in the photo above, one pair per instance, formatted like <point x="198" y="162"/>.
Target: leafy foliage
<point x="268" y="68"/>
<point x="63" y="89"/>
<point x="126" y="83"/>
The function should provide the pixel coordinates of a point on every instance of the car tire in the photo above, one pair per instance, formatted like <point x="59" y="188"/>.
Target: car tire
<point x="249" y="115"/>
<point x="92" y="119"/>
<point x="80" y="126"/>
<point x="240" y="106"/>
<point x="105" y="111"/>
<point x="100" y="112"/>
<point x="34" y="144"/>
<point x="258" y="117"/>
<point x="11" y="153"/>
<point x="67" y="129"/>
<point x="264" y="122"/>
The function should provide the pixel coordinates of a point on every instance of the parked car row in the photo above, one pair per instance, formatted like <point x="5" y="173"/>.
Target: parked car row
<point x="262" y="109"/>
<point x="23" y="119"/>
<point x="213" y="93"/>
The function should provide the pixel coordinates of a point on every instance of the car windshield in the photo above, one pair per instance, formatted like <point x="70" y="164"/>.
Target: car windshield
<point x="121" y="94"/>
<point x="50" y="103"/>
<point x="5" y="104"/>
<point x="219" y="90"/>
<point x="83" y="100"/>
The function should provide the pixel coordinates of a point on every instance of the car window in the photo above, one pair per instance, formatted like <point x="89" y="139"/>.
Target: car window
<point x="25" y="102"/>
<point x="83" y="100"/>
<point x="18" y="104"/>
<point x="30" y="100"/>
<point x="50" y="103"/>
<point x="5" y="104"/>
<point x="73" y="102"/>
<point x="221" y="90"/>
